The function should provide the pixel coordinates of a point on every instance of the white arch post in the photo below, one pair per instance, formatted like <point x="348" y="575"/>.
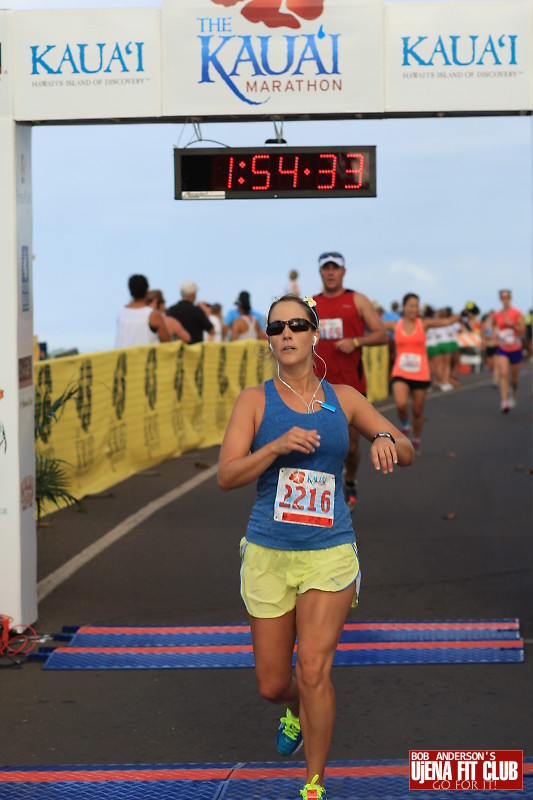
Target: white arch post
<point x="18" y="541"/>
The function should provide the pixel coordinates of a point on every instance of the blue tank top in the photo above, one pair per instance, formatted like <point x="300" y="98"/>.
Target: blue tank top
<point x="300" y="500"/>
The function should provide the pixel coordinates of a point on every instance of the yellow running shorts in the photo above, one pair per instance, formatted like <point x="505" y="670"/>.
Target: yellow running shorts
<point x="271" y="579"/>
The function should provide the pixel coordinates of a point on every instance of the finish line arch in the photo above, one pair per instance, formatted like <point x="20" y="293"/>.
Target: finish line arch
<point x="362" y="59"/>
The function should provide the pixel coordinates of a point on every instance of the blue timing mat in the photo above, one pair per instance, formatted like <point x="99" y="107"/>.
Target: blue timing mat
<point x="366" y="780"/>
<point x="229" y="646"/>
<point x="152" y="636"/>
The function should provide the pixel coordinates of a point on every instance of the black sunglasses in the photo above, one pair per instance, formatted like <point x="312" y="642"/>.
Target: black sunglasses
<point x="296" y="325"/>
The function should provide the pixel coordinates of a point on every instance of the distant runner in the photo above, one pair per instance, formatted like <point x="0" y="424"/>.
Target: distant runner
<point x="410" y="373"/>
<point x="511" y="328"/>
<point x="490" y="342"/>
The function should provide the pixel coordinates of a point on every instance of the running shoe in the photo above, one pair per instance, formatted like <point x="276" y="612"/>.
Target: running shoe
<point x="289" y="739"/>
<point x="416" y="446"/>
<point x="454" y="381"/>
<point x="406" y="428"/>
<point x="511" y="402"/>
<point x="350" y="495"/>
<point x="505" y="407"/>
<point x="446" y="387"/>
<point x="312" y="791"/>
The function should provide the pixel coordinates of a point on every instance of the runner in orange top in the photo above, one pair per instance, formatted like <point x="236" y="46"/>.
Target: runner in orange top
<point x="410" y="372"/>
<point x="510" y="327"/>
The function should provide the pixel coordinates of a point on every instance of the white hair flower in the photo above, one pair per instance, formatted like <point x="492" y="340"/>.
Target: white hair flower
<point x="310" y="302"/>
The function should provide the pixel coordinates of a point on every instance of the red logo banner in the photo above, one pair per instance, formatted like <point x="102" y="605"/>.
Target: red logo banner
<point x="464" y="770"/>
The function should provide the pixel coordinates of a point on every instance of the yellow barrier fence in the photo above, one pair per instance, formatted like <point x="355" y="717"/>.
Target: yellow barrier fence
<point x="376" y="363"/>
<point x="137" y="407"/>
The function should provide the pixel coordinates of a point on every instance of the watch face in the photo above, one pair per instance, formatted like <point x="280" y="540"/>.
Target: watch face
<point x="232" y="173"/>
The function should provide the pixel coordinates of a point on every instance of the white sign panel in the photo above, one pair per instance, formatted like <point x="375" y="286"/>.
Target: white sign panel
<point x="459" y="57"/>
<point x="18" y="589"/>
<point x="5" y="50"/>
<point x="242" y="57"/>
<point x="87" y="64"/>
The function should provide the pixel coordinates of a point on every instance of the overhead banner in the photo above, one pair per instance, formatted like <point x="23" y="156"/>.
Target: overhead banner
<point x="250" y="58"/>
<point x="87" y="64"/>
<point x="5" y="51"/>
<point x="459" y="57"/>
<point x="235" y="57"/>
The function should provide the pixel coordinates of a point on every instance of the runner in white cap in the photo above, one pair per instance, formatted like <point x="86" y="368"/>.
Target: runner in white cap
<point x="349" y="322"/>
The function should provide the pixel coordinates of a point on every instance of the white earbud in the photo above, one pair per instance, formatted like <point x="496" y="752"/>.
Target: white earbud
<point x="315" y="340"/>
<point x="270" y="345"/>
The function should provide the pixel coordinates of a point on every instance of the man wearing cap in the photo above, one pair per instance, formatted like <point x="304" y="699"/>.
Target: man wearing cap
<point x="192" y="317"/>
<point x="348" y="321"/>
<point x="233" y="314"/>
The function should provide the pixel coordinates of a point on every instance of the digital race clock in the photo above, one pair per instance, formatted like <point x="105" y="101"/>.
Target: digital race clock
<point x="230" y="173"/>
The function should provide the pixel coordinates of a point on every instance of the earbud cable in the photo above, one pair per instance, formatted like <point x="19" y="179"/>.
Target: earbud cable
<point x="311" y="403"/>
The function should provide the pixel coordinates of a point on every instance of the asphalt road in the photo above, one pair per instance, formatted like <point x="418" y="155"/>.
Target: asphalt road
<point x="448" y="538"/>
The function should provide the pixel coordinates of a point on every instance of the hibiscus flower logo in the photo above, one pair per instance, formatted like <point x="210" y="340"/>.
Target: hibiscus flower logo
<point x="277" y="13"/>
<point x="297" y="477"/>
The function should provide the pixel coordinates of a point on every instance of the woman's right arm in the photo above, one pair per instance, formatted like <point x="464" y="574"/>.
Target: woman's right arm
<point x="175" y="327"/>
<point x="429" y="322"/>
<point x="237" y="466"/>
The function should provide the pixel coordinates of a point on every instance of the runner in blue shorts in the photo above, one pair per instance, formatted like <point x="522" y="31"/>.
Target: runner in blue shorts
<point x="300" y="569"/>
<point x="511" y="328"/>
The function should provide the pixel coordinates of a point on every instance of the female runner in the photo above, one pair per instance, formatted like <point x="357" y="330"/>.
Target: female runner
<point x="300" y="570"/>
<point x="410" y="372"/>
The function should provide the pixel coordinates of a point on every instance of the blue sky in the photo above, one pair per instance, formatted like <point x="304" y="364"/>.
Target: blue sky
<point x="452" y="220"/>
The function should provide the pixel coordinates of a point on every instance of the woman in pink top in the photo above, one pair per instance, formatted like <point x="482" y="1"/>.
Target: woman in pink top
<point x="410" y="373"/>
<point x="510" y="327"/>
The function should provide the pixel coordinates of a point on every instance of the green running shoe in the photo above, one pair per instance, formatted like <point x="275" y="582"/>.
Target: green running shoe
<point x="313" y="792"/>
<point x="289" y="738"/>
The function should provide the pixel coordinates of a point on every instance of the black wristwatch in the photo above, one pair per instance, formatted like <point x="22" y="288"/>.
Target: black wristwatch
<point x="385" y="434"/>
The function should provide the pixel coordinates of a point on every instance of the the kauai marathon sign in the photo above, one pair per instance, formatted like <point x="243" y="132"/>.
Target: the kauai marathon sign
<point x="295" y="62"/>
<point x="274" y="56"/>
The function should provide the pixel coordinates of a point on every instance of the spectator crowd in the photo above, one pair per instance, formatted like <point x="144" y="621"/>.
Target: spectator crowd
<point x="147" y="320"/>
